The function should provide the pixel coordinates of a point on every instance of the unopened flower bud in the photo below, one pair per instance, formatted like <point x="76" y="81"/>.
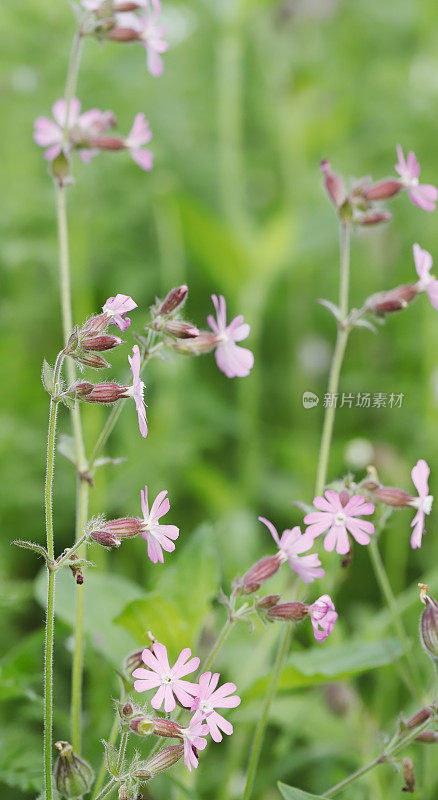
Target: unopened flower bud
<point x="101" y="343"/>
<point x="167" y="728"/>
<point x="105" y="539"/>
<point x="340" y="698"/>
<point x="162" y="761"/>
<point x="107" y="142"/>
<point x="394" y="300"/>
<point x="81" y="388"/>
<point x="373" y="218"/>
<point x="419" y="718"/>
<point x="392" y="497"/>
<point x="174" y="300"/>
<point x="144" y="726"/>
<point x="408" y="775"/>
<point x="427" y="737"/>
<point x="383" y="190"/>
<point x="73" y="776"/>
<point x="101" y="392"/>
<point x="124" y="528"/>
<point x="95" y="325"/>
<point x="203" y="343"/>
<point x="344" y="497"/>
<point x="333" y="184"/>
<point x="289" y="611"/>
<point x="91" y="360"/>
<point x="260" y="572"/>
<point x="179" y="329"/>
<point x="429" y="627"/>
<point x="268" y="602"/>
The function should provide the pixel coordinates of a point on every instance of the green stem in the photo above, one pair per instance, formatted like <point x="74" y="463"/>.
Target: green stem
<point x="78" y="653"/>
<point x="384" y="757"/>
<point x="338" y="357"/>
<point x="122" y="751"/>
<point x="70" y="552"/>
<point x="218" y="644"/>
<point x="411" y="679"/>
<point x="102" y="771"/>
<point x="106" y="789"/>
<point x="260" y="730"/>
<point x="72" y="78"/>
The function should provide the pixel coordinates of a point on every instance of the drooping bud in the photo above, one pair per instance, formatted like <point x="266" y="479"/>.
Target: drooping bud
<point x="427" y="737"/>
<point x="334" y="185"/>
<point x="178" y="328"/>
<point x="100" y="392"/>
<point x="101" y="343"/>
<point x="429" y="627"/>
<point x="408" y="775"/>
<point x="383" y="190"/>
<point x="289" y="611"/>
<point x="91" y="360"/>
<point x="174" y="300"/>
<point x="391" y="496"/>
<point x="394" y="300"/>
<point x="73" y="776"/>
<point x="268" y="602"/>
<point x="419" y="718"/>
<point x="105" y="538"/>
<point x="373" y="218"/>
<point x="160" y="762"/>
<point x="123" y="528"/>
<point x="260" y="572"/>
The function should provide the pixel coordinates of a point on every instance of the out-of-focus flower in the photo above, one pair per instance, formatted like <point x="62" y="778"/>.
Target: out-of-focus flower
<point x="168" y="680"/>
<point x="423" y="195"/>
<point x="158" y="537"/>
<point x="139" y="135"/>
<point x="337" y="514"/>
<point x="291" y="545"/>
<point x="429" y="623"/>
<point x="149" y="32"/>
<point x="333" y="184"/>
<point x="137" y="390"/>
<point x="427" y="283"/>
<point x="194" y="739"/>
<point x="423" y="503"/>
<point x="394" y="300"/>
<point x="49" y="134"/>
<point x="208" y="698"/>
<point x="234" y="361"/>
<point x="323" y="617"/>
<point x="115" y="309"/>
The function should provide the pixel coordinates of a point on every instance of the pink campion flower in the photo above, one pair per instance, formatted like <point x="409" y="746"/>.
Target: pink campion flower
<point x="136" y="391"/>
<point x="194" y="739"/>
<point x="168" y="680"/>
<point x="158" y="537"/>
<point x="337" y="514"/>
<point x="91" y="125"/>
<point x="423" y="195"/>
<point x="139" y="135"/>
<point x="323" y="617"/>
<point x="208" y="698"/>
<point x="116" y="307"/>
<point x="234" y="361"/>
<point x="291" y="545"/>
<point x="427" y="283"/>
<point x="49" y="134"/>
<point x="420" y="475"/>
<point x="150" y="33"/>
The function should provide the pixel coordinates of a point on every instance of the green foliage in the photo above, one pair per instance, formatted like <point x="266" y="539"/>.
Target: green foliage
<point x="291" y="793"/>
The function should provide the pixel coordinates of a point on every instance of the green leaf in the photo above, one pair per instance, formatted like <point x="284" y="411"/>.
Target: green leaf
<point x="105" y="595"/>
<point x="48" y="377"/>
<point x="291" y="793"/>
<point x="20" y="759"/>
<point x="320" y="664"/>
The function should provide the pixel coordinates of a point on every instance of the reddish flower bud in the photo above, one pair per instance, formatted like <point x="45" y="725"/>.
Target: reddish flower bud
<point x="383" y="190"/>
<point x="289" y="611"/>
<point x="124" y="528"/>
<point x="95" y="325"/>
<point x="167" y="728"/>
<point x="394" y="300"/>
<point x="107" y="142"/>
<point x="392" y="497"/>
<point x="373" y="218"/>
<point x="260" y="572"/>
<point x="160" y="762"/>
<point x="408" y="775"/>
<point x="104" y="393"/>
<point x="429" y="627"/>
<point x="119" y="34"/>
<point x="174" y="300"/>
<point x="81" y="388"/>
<point x="179" y="329"/>
<point x="105" y="538"/>
<point x="91" y="360"/>
<point x="334" y="185"/>
<point x="428" y="737"/>
<point x="419" y="718"/>
<point x="344" y="497"/>
<point x="101" y="343"/>
<point x="269" y="601"/>
<point x="203" y="343"/>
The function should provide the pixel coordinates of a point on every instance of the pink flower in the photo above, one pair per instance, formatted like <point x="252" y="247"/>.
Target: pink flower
<point x="323" y="617"/>
<point x="168" y="680"/>
<point x="50" y="134"/>
<point x="137" y="389"/>
<point x="423" y="195"/>
<point x="423" y="265"/>
<point x="139" y="135"/>
<point x="158" y="537"/>
<point x="291" y="545"/>
<point x="338" y="514"/>
<point x="208" y="698"/>
<point x="420" y="474"/>
<point x="235" y="362"/>
<point x="150" y="34"/>
<point x="116" y="307"/>
<point x="91" y="125"/>
<point x="193" y="737"/>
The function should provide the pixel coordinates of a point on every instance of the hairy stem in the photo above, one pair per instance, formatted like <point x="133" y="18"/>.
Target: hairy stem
<point x="218" y="644"/>
<point x="70" y="552"/>
<point x="106" y="789"/>
<point x="337" y="360"/>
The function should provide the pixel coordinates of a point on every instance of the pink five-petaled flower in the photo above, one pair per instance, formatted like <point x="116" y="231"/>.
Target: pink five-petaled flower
<point x="208" y="698"/>
<point x="291" y="544"/>
<point x="116" y="307"/>
<point x="150" y="33"/>
<point x="423" y="195"/>
<point x="137" y="389"/>
<point x="420" y="474"/>
<point x="323" y="617"/>
<point x="158" y="537"/>
<point x="234" y="361"/>
<point x="168" y="680"/>
<point x="48" y="133"/>
<point x="139" y="135"/>
<point x="338" y="514"/>
<point x="194" y="739"/>
<point x="427" y="283"/>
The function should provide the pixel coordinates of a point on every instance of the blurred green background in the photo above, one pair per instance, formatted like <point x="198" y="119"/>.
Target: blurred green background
<point x="254" y="94"/>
